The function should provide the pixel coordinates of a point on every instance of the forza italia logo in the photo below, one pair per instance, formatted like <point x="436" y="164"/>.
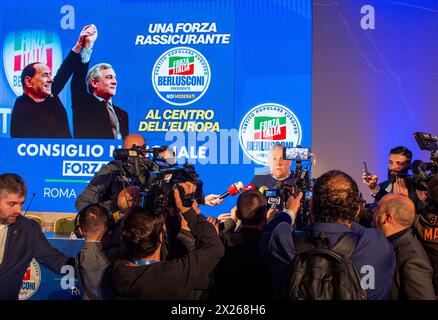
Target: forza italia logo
<point x="24" y="47"/>
<point x="267" y="124"/>
<point x="31" y="281"/>
<point x="181" y="76"/>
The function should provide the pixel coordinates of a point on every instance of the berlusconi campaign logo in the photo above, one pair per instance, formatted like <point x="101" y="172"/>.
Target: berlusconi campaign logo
<point x="31" y="281"/>
<point x="267" y="124"/>
<point x="181" y="76"/>
<point x="23" y="47"/>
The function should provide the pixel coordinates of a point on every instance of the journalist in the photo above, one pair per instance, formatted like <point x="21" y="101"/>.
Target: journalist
<point x="112" y="178"/>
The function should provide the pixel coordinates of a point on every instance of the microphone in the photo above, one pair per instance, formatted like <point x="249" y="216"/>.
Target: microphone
<point x="234" y="189"/>
<point x="262" y="189"/>
<point x="31" y="199"/>
<point x="250" y="186"/>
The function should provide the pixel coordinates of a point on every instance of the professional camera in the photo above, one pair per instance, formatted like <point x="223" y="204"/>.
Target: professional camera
<point x="282" y="191"/>
<point x="423" y="171"/>
<point x="159" y="195"/>
<point x="157" y="177"/>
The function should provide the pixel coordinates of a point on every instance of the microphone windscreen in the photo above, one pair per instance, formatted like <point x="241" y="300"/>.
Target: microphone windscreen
<point x="250" y="187"/>
<point x="262" y="189"/>
<point x="235" y="188"/>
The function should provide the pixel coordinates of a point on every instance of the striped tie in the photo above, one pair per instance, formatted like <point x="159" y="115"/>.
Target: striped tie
<point x="113" y="119"/>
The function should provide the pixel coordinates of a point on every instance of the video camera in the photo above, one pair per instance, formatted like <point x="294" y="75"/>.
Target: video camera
<point x="423" y="171"/>
<point x="278" y="196"/>
<point x="157" y="177"/>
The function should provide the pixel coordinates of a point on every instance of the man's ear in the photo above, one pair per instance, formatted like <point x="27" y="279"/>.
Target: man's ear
<point x="28" y="82"/>
<point x="238" y="215"/>
<point x="387" y="218"/>
<point x="93" y="83"/>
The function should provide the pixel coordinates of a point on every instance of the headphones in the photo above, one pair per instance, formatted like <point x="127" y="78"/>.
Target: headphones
<point x="111" y="222"/>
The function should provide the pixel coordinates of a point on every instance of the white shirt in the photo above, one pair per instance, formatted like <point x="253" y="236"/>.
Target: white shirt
<point x="3" y="235"/>
<point x="111" y="109"/>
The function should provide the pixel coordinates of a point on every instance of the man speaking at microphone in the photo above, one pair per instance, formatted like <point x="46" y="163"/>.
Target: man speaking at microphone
<point x="279" y="170"/>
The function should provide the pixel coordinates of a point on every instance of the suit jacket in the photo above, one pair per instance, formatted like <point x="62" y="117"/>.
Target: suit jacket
<point x="269" y="181"/>
<point x="242" y="273"/>
<point x="46" y="119"/>
<point x="426" y="227"/>
<point x="90" y="116"/>
<point x="413" y="273"/>
<point x="26" y="241"/>
<point x="419" y="205"/>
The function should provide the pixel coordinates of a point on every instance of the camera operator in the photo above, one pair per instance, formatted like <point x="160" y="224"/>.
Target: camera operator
<point x="399" y="181"/>
<point x="106" y="185"/>
<point x="426" y="227"/>
<point x="279" y="170"/>
<point x="146" y="275"/>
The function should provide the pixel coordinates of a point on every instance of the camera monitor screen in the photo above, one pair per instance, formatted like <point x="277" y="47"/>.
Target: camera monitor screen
<point x="296" y="153"/>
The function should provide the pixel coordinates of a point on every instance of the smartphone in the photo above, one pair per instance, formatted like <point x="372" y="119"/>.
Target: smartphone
<point x="296" y="153"/>
<point x="365" y="168"/>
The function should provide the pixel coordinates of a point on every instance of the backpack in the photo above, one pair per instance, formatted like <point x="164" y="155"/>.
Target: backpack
<point x="319" y="272"/>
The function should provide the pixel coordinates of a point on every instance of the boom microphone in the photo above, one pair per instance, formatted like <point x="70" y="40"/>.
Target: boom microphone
<point x="31" y="199"/>
<point x="234" y="189"/>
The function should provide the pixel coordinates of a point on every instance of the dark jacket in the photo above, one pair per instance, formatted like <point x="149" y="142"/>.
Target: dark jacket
<point x="267" y="180"/>
<point x="46" y="119"/>
<point x="426" y="228"/>
<point x="26" y="241"/>
<point x="242" y="273"/>
<point x="372" y="250"/>
<point x="419" y="205"/>
<point x="413" y="273"/>
<point x="174" y="279"/>
<point x="104" y="188"/>
<point x="90" y="116"/>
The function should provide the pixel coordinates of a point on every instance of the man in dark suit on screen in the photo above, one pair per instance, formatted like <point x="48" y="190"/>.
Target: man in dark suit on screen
<point x="94" y="114"/>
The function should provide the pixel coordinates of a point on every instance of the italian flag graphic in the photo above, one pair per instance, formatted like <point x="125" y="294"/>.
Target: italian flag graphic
<point x="269" y="128"/>
<point x="181" y="66"/>
<point x="23" y="58"/>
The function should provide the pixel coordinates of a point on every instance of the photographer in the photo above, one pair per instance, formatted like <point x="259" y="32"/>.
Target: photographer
<point x="399" y="181"/>
<point x="105" y="186"/>
<point x="242" y="273"/>
<point x="145" y="275"/>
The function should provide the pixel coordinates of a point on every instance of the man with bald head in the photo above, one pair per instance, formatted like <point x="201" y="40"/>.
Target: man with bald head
<point x="394" y="215"/>
<point x="106" y="185"/>
<point x="134" y="139"/>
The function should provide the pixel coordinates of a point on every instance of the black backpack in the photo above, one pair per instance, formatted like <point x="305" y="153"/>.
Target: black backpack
<point x="319" y="272"/>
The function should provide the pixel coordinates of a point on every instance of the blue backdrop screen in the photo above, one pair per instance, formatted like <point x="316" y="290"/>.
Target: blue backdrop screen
<point x="219" y="81"/>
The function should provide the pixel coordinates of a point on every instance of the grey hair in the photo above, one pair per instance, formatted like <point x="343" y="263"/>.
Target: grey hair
<point x="277" y="146"/>
<point x="95" y="72"/>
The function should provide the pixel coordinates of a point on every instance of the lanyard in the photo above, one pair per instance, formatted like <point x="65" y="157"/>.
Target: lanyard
<point x="143" y="262"/>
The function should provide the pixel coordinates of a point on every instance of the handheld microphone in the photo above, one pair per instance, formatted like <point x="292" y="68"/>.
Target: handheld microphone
<point x="31" y="199"/>
<point x="234" y="189"/>
<point x="262" y="189"/>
